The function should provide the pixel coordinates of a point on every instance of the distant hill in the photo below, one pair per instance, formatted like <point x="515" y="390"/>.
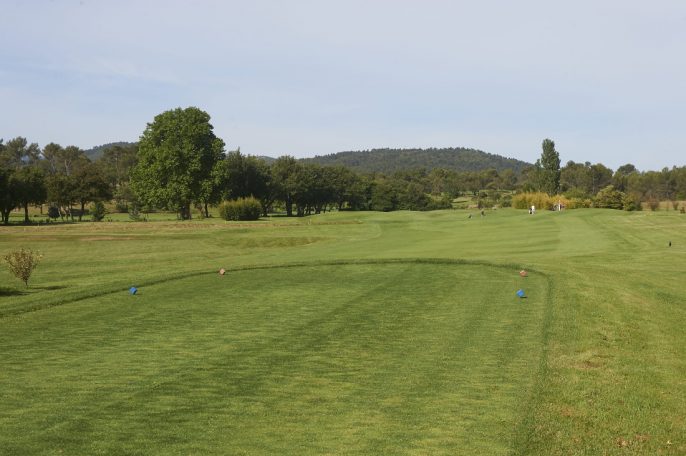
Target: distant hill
<point x="96" y="152"/>
<point x="388" y="161"/>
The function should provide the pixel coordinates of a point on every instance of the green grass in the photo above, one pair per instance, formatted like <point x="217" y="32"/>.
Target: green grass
<point x="349" y="333"/>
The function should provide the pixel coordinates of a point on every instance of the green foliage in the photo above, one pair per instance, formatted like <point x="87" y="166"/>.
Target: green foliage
<point x="101" y="152"/>
<point x="548" y="169"/>
<point x="53" y="212"/>
<point x="579" y="203"/>
<point x="632" y="202"/>
<point x="389" y="161"/>
<point x="177" y="154"/>
<point x="134" y="213"/>
<point x="384" y="197"/>
<point x="540" y="200"/>
<point x="22" y="262"/>
<point x="609" y="198"/>
<point x="97" y="211"/>
<point x="240" y="209"/>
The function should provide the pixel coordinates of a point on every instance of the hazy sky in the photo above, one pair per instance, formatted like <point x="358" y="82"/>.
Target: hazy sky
<point x="605" y="79"/>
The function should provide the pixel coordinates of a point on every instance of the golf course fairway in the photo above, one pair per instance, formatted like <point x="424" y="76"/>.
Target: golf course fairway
<point x="349" y="333"/>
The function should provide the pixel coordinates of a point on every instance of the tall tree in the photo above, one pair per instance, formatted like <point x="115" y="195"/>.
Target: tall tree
<point x="284" y="170"/>
<point x="117" y="162"/>
<point x="21" y="182"/>
<point x="548" y="168"/>
<point x="177" y="154"/>
<point x="28" y="186"/>
<point x="90" y="184"/>
<point x="17" y="153"/>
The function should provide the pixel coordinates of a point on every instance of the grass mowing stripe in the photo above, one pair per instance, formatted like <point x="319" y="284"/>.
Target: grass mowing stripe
<point x="20" y="308"/>
<point x="302" y="367"/>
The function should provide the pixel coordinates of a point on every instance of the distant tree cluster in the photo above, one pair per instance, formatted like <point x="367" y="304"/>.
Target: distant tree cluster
<point x="179" y="164"/>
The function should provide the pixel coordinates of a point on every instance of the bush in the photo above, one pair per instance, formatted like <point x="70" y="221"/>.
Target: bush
<point x="53" y="212"/>
<point x="538" y="199"/>
<point x="134" y="213"/>
<point x="444" y="202"/>
<point x="653" y="203"/>
<point x="241" y="209"/>
<point x="22" y="262"/>
<point x="632" y="202"/>
<point x="610" y="198"/>
<point x="97" y="211"/>
<point x="579" y="203"/>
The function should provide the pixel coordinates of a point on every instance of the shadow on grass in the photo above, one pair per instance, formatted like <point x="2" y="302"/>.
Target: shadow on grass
<point x="51" y="287"/>
<point x="4" y="291"/>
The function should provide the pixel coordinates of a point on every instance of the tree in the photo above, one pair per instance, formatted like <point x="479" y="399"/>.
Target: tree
<point x="90" y="185"/>
<point x="28" y="187"/>
<point x="117" y="162"/>
<point x="621" y="177"/>
<point x="7" y="203"/>
<point x="284" y="170"/>
<point x="383" y="196"/>
<point x="62" y="193"/>
<point x="177" y="155"/>
<point x="21" y="182"/>
<point x="548" y="168"/>
<point x="21" y="263"/>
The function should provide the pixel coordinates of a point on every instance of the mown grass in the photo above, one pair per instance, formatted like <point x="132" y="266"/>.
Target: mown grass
<point x="355" y="333"/>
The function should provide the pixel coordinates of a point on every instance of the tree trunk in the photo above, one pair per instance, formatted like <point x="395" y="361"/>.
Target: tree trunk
<point x="289" y="206"/>
<point x="83" y="205"/>
<point x="207" y="213"/>
<point x="185" y="211"/>
<point x="26" y="213"/>
<point x="6" y="217"/>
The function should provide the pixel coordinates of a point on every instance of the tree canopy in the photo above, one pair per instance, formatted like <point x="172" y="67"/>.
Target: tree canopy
<point x="177" y="154"/>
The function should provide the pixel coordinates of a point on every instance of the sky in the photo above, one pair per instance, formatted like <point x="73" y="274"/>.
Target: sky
<point x="604" y="79"/>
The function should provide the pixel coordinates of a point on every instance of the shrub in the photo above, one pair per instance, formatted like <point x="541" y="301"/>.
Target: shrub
<point x="653" y="203"/>
<point x="22" y="262"/>
<point x="97" y="211"/>
<point x="241" y="209"/>
<point x="578" y="203"/>
<point x="632" y="202"/>
<point x="53" y="212"/>
<point x="444" y="202"/>
<point x="538" y="199"/>
<point x="134" y="213"/>
<point x="609" y="198"/>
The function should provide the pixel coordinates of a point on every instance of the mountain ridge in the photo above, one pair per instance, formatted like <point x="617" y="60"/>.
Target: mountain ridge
<point x="388" y="160"/>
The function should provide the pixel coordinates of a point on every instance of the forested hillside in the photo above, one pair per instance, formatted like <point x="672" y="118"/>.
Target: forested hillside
<point x="388" y="161"/>
<point x="96" y="152"/>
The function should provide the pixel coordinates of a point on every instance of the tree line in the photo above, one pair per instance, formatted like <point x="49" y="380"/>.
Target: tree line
<point x="180" y="165"/>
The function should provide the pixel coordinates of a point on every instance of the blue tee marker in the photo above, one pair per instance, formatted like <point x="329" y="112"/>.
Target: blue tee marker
<point x="520" y="293"/>
<point x="133" y="290"/>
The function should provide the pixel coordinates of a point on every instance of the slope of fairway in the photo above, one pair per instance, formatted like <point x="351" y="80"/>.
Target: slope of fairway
<point x="399" y="357"/>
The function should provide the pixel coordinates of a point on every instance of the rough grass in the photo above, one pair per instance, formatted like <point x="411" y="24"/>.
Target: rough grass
<point x="349" y="333"/>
